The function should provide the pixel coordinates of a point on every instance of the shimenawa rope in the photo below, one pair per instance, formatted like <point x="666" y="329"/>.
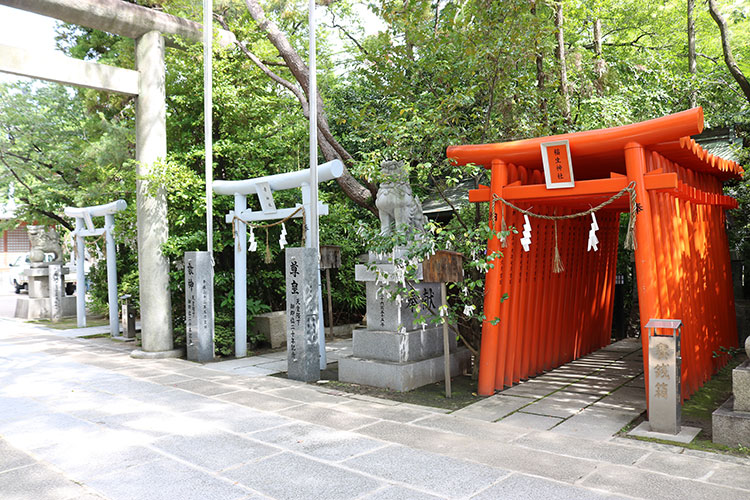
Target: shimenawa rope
<point x="557" y="266"/>
<point x="267" y="259"/>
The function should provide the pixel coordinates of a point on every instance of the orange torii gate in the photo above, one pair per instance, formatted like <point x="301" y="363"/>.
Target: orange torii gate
<point x="681" y="249"/>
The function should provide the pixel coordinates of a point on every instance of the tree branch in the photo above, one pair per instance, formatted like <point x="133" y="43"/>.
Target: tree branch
<point x="50" y="215"/>
<point x="712" y="59"/>
<point x="732" y="66"/>
<point x="353" y="188"/>
<point x="441" y="192"/>
<point x="13" y="172"/>
<point x="347" y="34"/>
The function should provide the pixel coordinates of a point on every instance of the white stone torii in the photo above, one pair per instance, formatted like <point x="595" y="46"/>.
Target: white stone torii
<point x="147" y="83"/>
<point x="85" y="227"/>
<point x="264" y="188"/>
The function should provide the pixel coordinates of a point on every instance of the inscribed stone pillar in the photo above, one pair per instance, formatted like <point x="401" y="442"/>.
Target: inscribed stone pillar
<point x="151" y="146"/>
<point x="303" y="351"/>
<point x="199" y="328"/>
<point x="664" y="369"/>
<point x="56" y="292"/>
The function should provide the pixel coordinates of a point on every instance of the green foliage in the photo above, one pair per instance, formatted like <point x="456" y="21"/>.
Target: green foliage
<point x="437" y="74"/>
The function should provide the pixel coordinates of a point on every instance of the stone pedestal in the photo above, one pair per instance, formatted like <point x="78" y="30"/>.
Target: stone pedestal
<point x="742" y="311"/>
<point x="37" y="305"/>
<point x="394" y="351"/>
<point x="272" y="326"/>
<point x="731" y="422"/>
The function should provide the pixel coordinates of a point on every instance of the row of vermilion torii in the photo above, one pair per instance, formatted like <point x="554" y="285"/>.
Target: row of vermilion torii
<point x="681" y="255"/>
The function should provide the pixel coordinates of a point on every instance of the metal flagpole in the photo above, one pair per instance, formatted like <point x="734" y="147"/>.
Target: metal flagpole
<point x="207" y="120"/>
<point x="208" y="35"/>
<point x="314" y="233"/>
<point x="313" y="105"/>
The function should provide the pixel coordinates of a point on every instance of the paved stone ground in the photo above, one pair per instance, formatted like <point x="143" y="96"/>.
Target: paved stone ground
<point x="594" y="396"/>
<point x="80" y="419"/>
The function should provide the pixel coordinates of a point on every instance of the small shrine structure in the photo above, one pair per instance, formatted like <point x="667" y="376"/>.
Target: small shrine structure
<point x="567" y="192"/>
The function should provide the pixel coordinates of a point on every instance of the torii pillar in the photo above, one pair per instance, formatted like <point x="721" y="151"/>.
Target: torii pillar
<point x="150" y="147"/>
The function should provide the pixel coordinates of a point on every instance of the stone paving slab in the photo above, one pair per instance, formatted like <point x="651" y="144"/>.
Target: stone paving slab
<point x="306" y="395"/>
<point x="28" y="434"/>
<point x="729" y="474"/>
<point x="403" y="414"/>
<point x="287" y="476"/>
<point x="637" y="382"/>
<point x="538" y="463"/>
<point x="533" y="389"/>
<point x="274" y="366"/>
<point x="440" y="475"/>
<point x="167" y="479"/>
<point x="579" y="447"/>
<point x="625" y="398"/>
<point x="169" y="378"/>
<point x="238" y="420"/>
<point x="635" y="482"/>
<point x="329" y="417"/>
<point x="317" y="441"/>
<point x="256" y="399"/>
<point x="596" y="423"/>
<point x="214" y="451"/>
<point x="493" y="408"/>
<point x="674" y="464"/>
<point x="99" y="455"/>
<point x="474" y="428"/>
<point x="204" y="387"/>
<point x="399" y="493"/>
<point x="536" y="488"/>
<point x="561" y="404"/>
<point x="39" y="482"/>
<point x="13" y="458"/>
<point x="531" y="421"/>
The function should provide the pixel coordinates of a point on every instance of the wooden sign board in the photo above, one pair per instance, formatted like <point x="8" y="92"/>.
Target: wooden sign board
<point x="558" y="166"/>
<point x="330" y="256"/>
<point x="443" y="267"/>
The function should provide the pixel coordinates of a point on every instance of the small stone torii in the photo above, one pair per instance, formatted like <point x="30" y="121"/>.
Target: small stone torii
<point x="264" y="188"/>
<point x="85" y="227"/>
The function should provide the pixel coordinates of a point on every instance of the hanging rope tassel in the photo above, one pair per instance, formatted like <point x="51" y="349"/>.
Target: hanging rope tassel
<point x="268" y="258"/>
<point x="557" y="265"/>
<point x="630" y="242"/>
<point x="503" y="228"/>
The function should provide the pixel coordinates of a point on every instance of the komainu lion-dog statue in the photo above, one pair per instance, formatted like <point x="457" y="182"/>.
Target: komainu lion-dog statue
<point x="43" y="240"/>
<point x="398" y="207"/>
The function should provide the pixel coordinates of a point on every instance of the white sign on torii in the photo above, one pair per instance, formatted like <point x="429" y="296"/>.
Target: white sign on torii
<point x="264" y="188"/>
<point x="85" y="227"/>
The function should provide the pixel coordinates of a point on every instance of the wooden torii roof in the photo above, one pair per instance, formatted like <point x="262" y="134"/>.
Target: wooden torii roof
<point x="599" y="162"/>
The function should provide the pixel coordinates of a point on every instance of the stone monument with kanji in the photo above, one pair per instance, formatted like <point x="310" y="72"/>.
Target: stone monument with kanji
<point x="401" y="348"/>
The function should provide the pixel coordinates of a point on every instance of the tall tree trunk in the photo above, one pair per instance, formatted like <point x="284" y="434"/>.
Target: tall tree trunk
<point x="541" y="77"/>
<point x="564" y="92"/>
<point x="329" y="146"/>
<point x="734" y="69"/>
<point x="692" y="66"/>
<point x="600" y="66"/>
